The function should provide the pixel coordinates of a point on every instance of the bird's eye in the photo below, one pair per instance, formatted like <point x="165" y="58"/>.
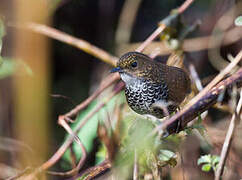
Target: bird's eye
<point x="134" y="64"/>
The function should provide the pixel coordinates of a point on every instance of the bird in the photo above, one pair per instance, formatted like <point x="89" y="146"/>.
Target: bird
<point x="152" y="88"/>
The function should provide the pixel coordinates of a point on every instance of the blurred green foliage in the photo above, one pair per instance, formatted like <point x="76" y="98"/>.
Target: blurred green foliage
<point x="135" y="138"/>
<point x="88" y="133"/>
<point x="7" y="67"/>
<point x="238" y="21"/>
<point x="197" y="125"/>
<point x="209" y="162"/>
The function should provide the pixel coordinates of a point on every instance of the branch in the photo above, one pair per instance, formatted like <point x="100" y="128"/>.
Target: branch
<point x="107" y="82"/>
<point x="164" y="23"/>
<point x="63" y="123"/>
<point x="96" y="170"/>
<point x="228" y="139"/>
<point x="73" y="41"/>
<point x="70" y="139"/>
<point x="203" y="104"/>
<point x="189" y="45"/>
<point x="194" y="107"/>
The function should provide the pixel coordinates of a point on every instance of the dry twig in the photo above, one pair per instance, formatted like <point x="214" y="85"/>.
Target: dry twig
<point x="108" y="82"/>
<point x="202" y="104"/>
<point x="228" y="139"/>
<point x="70" y="139"/>
<point x="22" y="173"/>
<point x="96" y="170"/>
<point x="136" y="168"/>
<point x="63" y="123"/>
<point x="189" y="45"/>
<point x="163" y="25"/>
<point x="73" y="41"/>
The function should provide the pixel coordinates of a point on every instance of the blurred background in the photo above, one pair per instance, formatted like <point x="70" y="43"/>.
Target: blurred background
<point x="37" y="71"/>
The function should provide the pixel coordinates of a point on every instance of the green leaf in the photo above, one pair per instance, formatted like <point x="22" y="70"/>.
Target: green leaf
<point x="238" y="21"/>
<point x="204" y="159"/>
<point x="215" y="161"/>
<point x="206" y="167"/>
<point x="198" y="126"/>
<point x="166" y="155"/>
<point x="89" y="131"/>
<point x="7" y="67"/>
<point x="135" y="139"/>
<point x="101" y="154"/>
<point x="211" y="161"/>
<point x="25" y="68"/>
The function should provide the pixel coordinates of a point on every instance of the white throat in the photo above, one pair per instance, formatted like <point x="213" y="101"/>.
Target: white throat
<point x="128" y="79"/>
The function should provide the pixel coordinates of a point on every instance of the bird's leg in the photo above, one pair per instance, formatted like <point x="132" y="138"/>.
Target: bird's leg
<point x="179" y="122"/>
<point x="160" y="108"/>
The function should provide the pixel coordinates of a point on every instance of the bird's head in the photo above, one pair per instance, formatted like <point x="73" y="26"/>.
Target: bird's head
<point x="133" y="64"/>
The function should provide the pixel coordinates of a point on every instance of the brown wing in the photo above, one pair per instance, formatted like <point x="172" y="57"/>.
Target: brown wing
<point x="178" y="83"/>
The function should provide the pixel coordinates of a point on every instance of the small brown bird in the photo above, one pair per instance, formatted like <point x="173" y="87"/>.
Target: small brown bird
<point x="148" y="83"/>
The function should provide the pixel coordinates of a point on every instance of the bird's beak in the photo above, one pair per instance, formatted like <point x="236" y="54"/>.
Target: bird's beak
<point x="116" y="69"/>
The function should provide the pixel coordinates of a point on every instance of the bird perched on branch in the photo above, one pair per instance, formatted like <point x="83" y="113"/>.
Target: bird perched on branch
<point x="151" y="87"/>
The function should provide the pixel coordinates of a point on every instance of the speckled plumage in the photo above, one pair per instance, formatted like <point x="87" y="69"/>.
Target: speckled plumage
<point x="148" y="82"/>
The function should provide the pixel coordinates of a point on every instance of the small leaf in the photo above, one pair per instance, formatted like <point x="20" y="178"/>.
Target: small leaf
<point x="89" y="132"/>
<point x="166" y="155"/>
<point x="101" y="154"/>
<point x="215" y="160"/>
<point x="238" y="21"/>
<point x="199" y="119"/>
<point x="7" y="67"/>
<point x="206" y="167"/>
<point x="204" y="159"/>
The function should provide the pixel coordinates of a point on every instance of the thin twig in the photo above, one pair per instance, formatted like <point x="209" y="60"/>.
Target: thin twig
<point x="151" y="37"/>
<point x="136" y="168"/>
<point x="228" y="139"/>
<point x="10" y="144"/>
<point x="92" y="172"/>
<point x="63" y="123"/>
<point x="58" y="154"/>
<point x="189" y="45"/>
<point x="106" y="83"/>
<point x="73" y="155"/>
<point x="184" y="6"/>
<point x="163" y="25"/>
<point x="63" y="97"/>
<point x="22" y="173"/>
<point x="73" y="41"/>
<point x="203" y="104"/>
<point x="195" y="77"/>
